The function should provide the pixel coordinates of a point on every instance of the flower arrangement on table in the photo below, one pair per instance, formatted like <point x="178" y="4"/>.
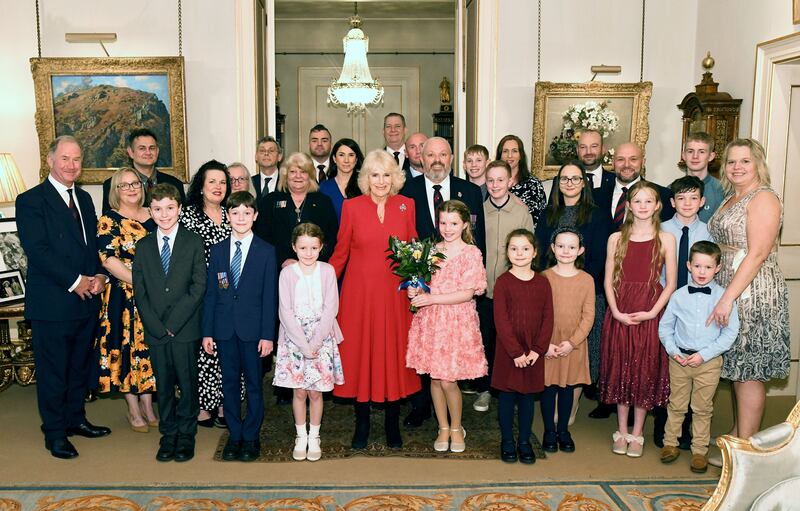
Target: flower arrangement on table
<point x="589" y="116"/>
<point x="415" y="262"/>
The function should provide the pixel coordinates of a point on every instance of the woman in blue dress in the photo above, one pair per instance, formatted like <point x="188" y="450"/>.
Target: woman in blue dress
<point x="346" y="160"/>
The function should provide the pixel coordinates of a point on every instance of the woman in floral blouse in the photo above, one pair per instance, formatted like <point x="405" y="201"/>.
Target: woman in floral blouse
<point x="524" y="185"/>
<point x="124" y="357"/>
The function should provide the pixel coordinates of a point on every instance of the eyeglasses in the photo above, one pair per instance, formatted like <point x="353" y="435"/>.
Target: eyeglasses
<point x="129" y="186"/>
<point x="575" y="180"/>
<point x="238" y="180"/>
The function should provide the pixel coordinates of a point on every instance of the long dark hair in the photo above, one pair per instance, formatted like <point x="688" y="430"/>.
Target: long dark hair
<point x="585" y="203"/>
<point x="195" y="195"/>
<point x="524" y="172"/>
<point x="352" y="189"/>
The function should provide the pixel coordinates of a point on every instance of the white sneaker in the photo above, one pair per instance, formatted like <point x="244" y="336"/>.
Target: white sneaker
<point x="482" y="403"/>
<point x="314" y="449"/>
<point x="300" y="446"/>
<point x="715" y="461"/>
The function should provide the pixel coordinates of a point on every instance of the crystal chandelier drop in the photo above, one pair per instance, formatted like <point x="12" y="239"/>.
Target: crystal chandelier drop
<point x="355" y="88"/>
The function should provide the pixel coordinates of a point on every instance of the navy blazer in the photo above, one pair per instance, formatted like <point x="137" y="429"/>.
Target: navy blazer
<point x="460" y="189"/>
<point x="603" y="197"/>
<point x="57" y="253"/>
<point x="248" y="311"/>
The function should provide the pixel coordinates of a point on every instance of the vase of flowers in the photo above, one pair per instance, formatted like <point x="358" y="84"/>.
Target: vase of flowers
<point x="414" y="262"/>
<point x="591" y="115"/>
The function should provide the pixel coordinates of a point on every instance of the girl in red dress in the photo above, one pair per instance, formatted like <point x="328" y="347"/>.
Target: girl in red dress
<point x="523" y="317"/>
<point x="633" y="365"/>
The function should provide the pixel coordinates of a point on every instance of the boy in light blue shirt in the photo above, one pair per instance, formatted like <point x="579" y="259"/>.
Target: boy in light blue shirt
<point x="694" y="347"/>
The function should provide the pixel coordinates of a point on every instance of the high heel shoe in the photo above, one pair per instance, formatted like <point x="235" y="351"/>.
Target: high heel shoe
<point x="458" y="446"/>
<point x="442" y="446"/>
<point x="138" y="429"/>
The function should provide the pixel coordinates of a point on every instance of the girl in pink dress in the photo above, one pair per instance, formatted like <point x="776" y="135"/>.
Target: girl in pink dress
<point x="445" y="340"/>
<point x="634" y="369"/>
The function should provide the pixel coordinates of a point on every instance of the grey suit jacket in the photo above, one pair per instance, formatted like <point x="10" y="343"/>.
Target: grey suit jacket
<point x="174" y="301"/>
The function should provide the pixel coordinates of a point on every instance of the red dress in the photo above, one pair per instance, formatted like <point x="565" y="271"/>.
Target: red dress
<point x="373" y="315"/>
<point x="523" y="317"/>
<point x="634" y="368"/>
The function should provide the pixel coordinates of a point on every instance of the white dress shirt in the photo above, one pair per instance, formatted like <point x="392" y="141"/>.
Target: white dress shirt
<point x="326" y="165"/>
<point x="273" y="181"/>
<point x="618" y="193"/>
<point x="246" y="242"/>
<point x="401" y="157"/>
<point x="445" y="191"/>
<point x="62" y="191"/>
<point x="596" y="176"/>
<point x="170" y="240"/>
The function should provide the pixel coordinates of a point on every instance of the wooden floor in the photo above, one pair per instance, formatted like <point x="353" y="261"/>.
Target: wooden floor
<point x="128" y="457"/>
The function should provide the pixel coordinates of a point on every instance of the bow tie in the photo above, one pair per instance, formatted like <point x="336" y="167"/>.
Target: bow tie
<point x="704" y="290"/>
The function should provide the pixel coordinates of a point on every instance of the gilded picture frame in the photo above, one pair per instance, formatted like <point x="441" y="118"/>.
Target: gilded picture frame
<point x="630" y="102"/>
<point x="100" y="100"/>
<point x="796" y="12"/>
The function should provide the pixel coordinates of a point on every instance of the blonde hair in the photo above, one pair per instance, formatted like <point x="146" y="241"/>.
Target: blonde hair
<point x="759" y="156"/>
<point x="379" y="160"/>
<point x="304" y="163"/>
<point x="461" y="209"/>
<point x="656" y="258"/>
<point x="113" y="191"/>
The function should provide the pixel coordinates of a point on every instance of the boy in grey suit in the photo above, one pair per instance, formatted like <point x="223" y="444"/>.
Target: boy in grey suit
<point x="169" y="281"/>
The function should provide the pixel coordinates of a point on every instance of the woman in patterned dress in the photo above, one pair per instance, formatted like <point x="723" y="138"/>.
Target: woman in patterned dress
<point x="124" y="357"/>
<point x="746" y="226"/>
<point x="524" y="186"/>
<point x="204" y="214"/>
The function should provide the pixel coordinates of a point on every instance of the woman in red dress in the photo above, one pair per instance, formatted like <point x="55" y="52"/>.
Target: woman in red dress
<point x="373" y="315"/>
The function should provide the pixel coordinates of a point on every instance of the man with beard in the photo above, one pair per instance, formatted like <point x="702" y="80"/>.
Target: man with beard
<point x="414" y="155"/>
<point x="434" y="187"/>
<point x="319" y="147"/>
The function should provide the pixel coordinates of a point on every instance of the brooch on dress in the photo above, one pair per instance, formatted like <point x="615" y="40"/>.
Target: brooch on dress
<point x="403" y="206"/>
<point x="459" y="195"/>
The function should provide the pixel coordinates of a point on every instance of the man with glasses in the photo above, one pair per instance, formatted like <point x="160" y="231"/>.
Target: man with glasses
<point x="268" y="157"/>
<point x="240" y="178"/>
<point x="142" y="148"/>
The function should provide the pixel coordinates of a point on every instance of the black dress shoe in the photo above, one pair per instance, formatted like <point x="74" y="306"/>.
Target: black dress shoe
<point x="508" y="451"/>
<point x="417" y="417"/>
<point x="658" y="441"/>
<point x="61" y="448"/>
<point x="220" y="422"/>
<point x="232" y="450"/>
<point x="685" y="443"/>
<point x="251" y="450"/>
<point x="565" y="443"/>
<point x="526" y="453"/>
<point x="184" y="452"/>
<point x="88" y="430"/>
<point x="206" y="423"/>
<point x="91" y="395"/>
<point x="550" y="442"/>
<point x="603" y="411"/>
<point x="166" y="450"/>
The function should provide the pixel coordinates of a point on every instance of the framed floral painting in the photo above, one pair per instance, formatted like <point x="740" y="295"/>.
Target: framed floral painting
<point x="617" y="110"/>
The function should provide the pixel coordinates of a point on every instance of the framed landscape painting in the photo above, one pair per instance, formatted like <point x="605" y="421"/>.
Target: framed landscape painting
<point x="617" y="110"/>
<point x="100" y="100"/>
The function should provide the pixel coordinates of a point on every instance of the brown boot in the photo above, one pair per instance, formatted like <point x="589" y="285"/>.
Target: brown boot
<point x="699" y="463"/>
<point x="669" y="453"/>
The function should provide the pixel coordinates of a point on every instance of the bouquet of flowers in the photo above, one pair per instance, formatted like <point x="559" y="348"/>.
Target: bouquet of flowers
<point x="414" y="261"/>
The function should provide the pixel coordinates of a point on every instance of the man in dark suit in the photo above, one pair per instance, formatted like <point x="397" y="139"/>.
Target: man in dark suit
<point x="169" y="282"/>
<point x="268" y="157"/>
<point x="143" y="151"/>
<point x="435" y="186"/>
<point x="58" y="231"/>
<point x="394" y="136"/>
<point x="319" y="147"/>
<point x="239" y="319"/>
<point x="414" y="146"/>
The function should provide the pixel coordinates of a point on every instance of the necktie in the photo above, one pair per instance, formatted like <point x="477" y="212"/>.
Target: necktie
<point x="683" y="257"/>
<point x="73" y="209"/>
<point x="322" y="175"/>
<point x="236" y="264"/>
<point x="619" y="211"/>
<point x="437" y="196"/>
<point x="265" y="186"/>
<point x="397" y="157"/>
<point x="704" y="290"/>
<point x="165" y="254"/>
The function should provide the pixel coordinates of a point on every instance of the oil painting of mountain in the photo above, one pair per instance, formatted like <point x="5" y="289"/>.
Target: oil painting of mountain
<point x="100" y="110"/>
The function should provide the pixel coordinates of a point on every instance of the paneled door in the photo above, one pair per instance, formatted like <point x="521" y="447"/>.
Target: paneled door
<point x="401" y="94"/>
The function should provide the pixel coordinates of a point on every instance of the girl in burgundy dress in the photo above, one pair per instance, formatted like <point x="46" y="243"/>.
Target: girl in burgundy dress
<point x="633" y="365"/>
<point x="523" y="316"/>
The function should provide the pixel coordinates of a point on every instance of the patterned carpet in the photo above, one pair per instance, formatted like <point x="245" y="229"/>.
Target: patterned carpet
<point x="277" y="435"/>
<point x="593" y="496"/>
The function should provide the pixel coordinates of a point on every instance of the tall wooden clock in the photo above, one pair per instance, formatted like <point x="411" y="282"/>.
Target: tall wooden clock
<point x="707" y="109"/>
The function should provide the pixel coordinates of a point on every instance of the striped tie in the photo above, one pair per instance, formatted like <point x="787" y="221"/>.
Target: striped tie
<point x="619" y="211"/>
<point x="236" y="265"/>
<point x="165" y="253"/>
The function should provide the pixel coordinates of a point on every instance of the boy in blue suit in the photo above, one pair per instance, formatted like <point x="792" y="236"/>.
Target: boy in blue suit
<point x="239" y="321"/>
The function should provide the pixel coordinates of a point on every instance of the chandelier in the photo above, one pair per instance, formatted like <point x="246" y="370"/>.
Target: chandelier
<point x="355" y="88"/>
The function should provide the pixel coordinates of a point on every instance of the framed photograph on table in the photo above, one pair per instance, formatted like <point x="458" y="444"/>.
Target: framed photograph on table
<point x="12" y="257"/>
<point x="12" y="287"/>
<point x="100" y="100"/>
<point x="617" y="110"/>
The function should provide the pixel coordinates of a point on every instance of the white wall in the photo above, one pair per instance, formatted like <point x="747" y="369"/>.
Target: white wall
<point x="577" y="34"/>
<point x="217" y="126"/>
